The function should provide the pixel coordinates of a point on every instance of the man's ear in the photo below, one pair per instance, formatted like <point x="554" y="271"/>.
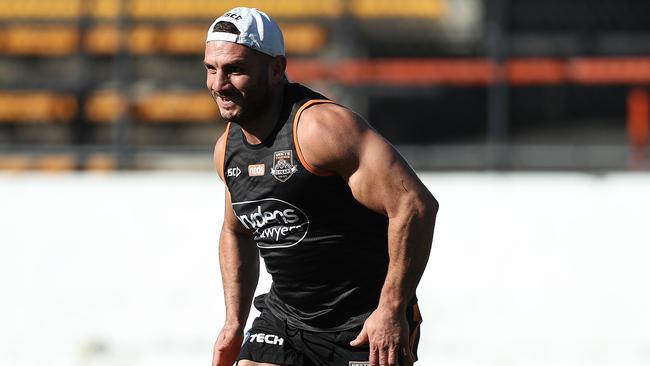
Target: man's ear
<point x="278" y="68"/>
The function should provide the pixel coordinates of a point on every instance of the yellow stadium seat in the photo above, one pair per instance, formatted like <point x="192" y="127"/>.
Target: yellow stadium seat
<point x="210" y="9"/>
<point x="50" y="40"/>
<point x="105" y="39"/>
<point x="303" y="38"/>
<point x="14" y="163"/>
<point x="143" y="39"/>
<point x="105" y="106"/>
<point x="54" y="163"/>
<point x="398" y="9"/>
<point x="36" y="107"/>
<point x="183" y="39"/>
<point x="47" y="163"/>
<point x="179" y="106"/>
<point x="144" y="8"/>
<point x="103" y="8"/>
<point x="38" y="9"/>
<point x="296" y="8"/>
<point x="102" y="39"/>
<point x="100" y="163"/>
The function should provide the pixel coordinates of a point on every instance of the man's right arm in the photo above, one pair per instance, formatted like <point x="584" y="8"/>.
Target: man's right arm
<point x="239" y="262"/>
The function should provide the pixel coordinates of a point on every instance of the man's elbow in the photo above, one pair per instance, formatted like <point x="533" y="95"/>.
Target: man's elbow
<point x="427" y="207"/>
<point x="431" y="207"/>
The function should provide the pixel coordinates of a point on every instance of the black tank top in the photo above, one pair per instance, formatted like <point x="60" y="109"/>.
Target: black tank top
<point x="327" y="254"/>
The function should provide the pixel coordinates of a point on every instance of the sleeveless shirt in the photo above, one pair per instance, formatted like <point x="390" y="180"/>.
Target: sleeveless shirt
<point x="326" y="253"/>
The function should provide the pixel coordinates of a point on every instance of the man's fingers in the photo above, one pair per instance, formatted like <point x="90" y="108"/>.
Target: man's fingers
<point x="362" y="338"/>
<point x="409" y="359"/>
<point x="374" y="359"/>
<point x="383" y="357"/>
<point x="226" y="349"/>
<point x="392" y="357"/>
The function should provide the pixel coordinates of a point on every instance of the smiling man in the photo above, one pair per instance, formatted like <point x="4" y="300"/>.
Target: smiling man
<point x="343" y="223"/>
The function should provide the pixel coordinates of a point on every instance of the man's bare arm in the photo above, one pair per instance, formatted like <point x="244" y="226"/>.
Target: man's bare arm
<point x="334" y="139"/>
<point x="239" y="263"/>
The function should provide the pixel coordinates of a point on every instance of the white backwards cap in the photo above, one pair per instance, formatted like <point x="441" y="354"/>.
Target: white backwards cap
<point x="256" y="30"/>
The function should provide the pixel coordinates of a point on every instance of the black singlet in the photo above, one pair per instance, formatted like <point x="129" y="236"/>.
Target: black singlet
<point x="327" y="254"/>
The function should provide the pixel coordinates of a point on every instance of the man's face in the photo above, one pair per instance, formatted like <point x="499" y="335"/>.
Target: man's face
<point x="238" y="79"/>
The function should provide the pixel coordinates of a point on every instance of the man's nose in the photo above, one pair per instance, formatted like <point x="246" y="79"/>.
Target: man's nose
<point x="219" y="81"/>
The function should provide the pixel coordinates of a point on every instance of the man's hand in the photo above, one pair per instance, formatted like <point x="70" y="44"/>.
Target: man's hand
<point x="387" y="332"/>
<point x="227" y="346"/>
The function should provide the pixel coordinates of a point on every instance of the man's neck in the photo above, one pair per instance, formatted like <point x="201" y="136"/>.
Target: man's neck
<point x="259" y="129"/>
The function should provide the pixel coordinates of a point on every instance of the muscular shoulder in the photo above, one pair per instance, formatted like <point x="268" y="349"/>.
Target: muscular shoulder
<point x="329" y="136"/>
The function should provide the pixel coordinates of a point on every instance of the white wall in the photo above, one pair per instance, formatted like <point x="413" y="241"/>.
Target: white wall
<point x="527" y="269"/>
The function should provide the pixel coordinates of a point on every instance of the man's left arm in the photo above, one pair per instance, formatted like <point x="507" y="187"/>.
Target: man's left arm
<point x="334" y="139"/>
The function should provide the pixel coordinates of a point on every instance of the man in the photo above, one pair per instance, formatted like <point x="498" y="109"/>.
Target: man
<point x="342" y="222"/>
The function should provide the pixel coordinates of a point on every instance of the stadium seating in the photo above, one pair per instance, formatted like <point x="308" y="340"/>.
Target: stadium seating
<point x="183" y="39"/>
<point x="105" y="106"/>
<point x="36" y="9"/>
<point x="14" y="163"/>
<point x="174" y="107"/>
<point x="29" y="40"/>
<point x="188" y="9"/>
<point x="201" y="8"/>
<point x="142" y="39"/>
<point x="159" y="107"/>
<point x="189" y="39"/>
<point x="166" y="35"/>
<point x="104" y="39"/>
<point x="53" y="163"/>
<point x="398" y="9"/>
<point x="100" y="163"/>
<point x="207" y="9"/>
<point x="304" y="38"/>
<point x="36" y="107"/>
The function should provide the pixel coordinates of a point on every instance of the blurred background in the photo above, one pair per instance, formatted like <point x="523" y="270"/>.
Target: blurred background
<point x="456" y="84"/>
<point x="528" y="120"/>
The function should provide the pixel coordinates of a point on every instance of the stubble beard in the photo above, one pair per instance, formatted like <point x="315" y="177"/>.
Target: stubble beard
<point x="251" y="106"/>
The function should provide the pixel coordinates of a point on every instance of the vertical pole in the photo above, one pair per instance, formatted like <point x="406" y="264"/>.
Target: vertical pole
<point x="345" y="34"/>
<point x="638" y="126"/>
<point x="122" y="74"/>
<point x="82" y="87"/>
<point x="497" y="92"/>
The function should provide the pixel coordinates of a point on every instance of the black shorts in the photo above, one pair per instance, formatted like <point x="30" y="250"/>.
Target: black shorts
<point x="271" y="340"/>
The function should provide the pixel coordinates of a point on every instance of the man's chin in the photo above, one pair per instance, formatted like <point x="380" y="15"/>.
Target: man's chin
<point x="230" y="116"/>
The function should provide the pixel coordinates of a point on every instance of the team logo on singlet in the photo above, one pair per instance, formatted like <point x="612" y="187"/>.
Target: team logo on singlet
<point x="283" y="167"/>
<point x="274" y="223"/>
<point x="233" y="172"/>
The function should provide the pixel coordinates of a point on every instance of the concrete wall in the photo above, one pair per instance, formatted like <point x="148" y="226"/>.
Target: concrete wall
<point x="527" y="269"/>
